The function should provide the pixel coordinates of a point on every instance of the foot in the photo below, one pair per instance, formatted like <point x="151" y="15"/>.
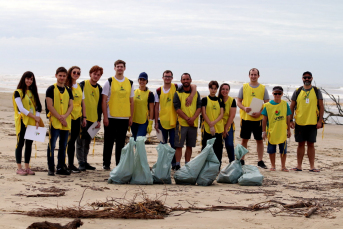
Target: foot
<point x="296" y="169"/>
<point x="284" y="170"/>
<point x="261" y="165"/>
<point x="272" y="169"/>
<point x="51" y="172"/>
<point x="62" y="171"/>
<point x="30" y="172"/>
<point x="107" y="168"/>
<point x="89" y="167"/>
<point x="314" y="170"/>
<point x="82" y="168"/>
<point x="21" y="172"/>
<point x="242" y="162"/>
<point x="73" y="169"/>
<point x="177" y="167"/>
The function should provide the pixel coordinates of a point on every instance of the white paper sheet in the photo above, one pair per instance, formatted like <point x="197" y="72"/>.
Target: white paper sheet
<point x="35" y="134"/>
<point x="92" y="130"/>
<point x="160" y="136"/>
<point x="255" y="105"/>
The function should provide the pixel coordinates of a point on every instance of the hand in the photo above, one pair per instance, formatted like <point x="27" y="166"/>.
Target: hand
<point x="37" y="118"/>
<point x="213" y="131"/>
<point x="130" y="121"/>
<point x="291" y="125"/>
<point x="37" y="125"/>
<point x="247" y="109"/>
<point x="225" y="134"/>
<point x="157" y="128"/>
<point x="211" y="124"/>
<point x="98" y="126"/>
<point x="189" y="101"/>
<point x="84" y="122"/>
<point x="319" y="124"/>
<point x="149" y="127"/>
<point x="105" y="121"/>
<point x="64" y="122"/>
<point x="289" y="133"/>
<point x="264" y="135"/>
<point x="255" y="114"/>
<point x="190" y="122"/>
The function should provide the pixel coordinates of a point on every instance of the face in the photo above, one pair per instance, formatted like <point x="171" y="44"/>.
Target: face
<point x="186" y="80"/>
<point x="95" y="76"/>
<point x="167" y="78"/>
<point x="277" y="95"/>
<point x="142" y="82"/>
<point x="61" y="77"/>
<point x="225" y="90"/>
<point x="253" y="76"/>
<point x="29" y="81"/>
<point x="307" y="79"/>
<point x="75" y="73"/>
<point x="119" y="68"/>
<point x="213" y="90"/>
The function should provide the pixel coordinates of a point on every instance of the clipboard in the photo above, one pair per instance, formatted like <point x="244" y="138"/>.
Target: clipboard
<point x="255" y="105"/>
<point x="92" y="131"/>
<point x="34" y="134"/>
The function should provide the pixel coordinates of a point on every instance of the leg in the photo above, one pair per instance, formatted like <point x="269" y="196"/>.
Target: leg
<point x="311" y="154"/>
<point x="205" y="136"/>
<point x="300" y="154"/>
<point x="191" y="139"/>
<point x="109" y="137"/>
<point x="134" y="130"/>
<point x="53" y="135"/>
<point x="218" y="147"/>
<point x="178" y="154"/>
<point x="283" y="155"/>
<point x="64" y="135"/>
<point x="257" y="131"/>
<point x="28" y="151"/>
<point x="246" y="129"/>
<point x="20" y="144"/>
<point x="74" y="133"/>
<point x="142" y="129"/>
<point x="260" y="149"/>
<point x="229" y="145"/>
<point x="271" y="150"/>
<point x="188" y="154"/>
<point x="121" y="125"/>
<point x="244" y="143"/>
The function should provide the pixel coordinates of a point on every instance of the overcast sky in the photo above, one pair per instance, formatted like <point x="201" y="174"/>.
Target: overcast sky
<point x="211" y="40"/>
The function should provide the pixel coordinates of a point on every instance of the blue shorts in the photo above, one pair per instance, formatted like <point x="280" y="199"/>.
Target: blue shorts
<point x="271" y="149"/>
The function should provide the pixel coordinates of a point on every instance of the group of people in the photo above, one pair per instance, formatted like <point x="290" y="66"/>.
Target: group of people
<point x="178" y="111"/>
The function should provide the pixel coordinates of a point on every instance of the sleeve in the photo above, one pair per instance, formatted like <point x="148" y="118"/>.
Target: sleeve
<point x="176" y="102"/>
<point x="132" y="91"/>
<point x="106" y="88"/>
<point x="157" y="99"/>
<point x="16" y="94"/>
<point x="37" y="113"/>
<point x="233" y="103"/>
<point x="264" y="111"/>
<point x="151" y="98"/>
<point x="21" y="107"/>
<point x="83" y="94"/>
<point x="320" y="95"/>
<point x="50" y="92"/>
<point x="221" y="103"/>
<point x="99" y="103"/>
<point x="266" y="95"/>
<point x="240" y="93"/>
<point x="70" y="93"/>
<point x="294" y="96"/>
<point x="179" y="85"/>
<point x="198" y="101"/>
<point x="204" y="102"/>
<point x="289" y="112"/>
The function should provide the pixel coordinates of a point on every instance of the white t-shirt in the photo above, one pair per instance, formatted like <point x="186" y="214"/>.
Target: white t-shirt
<point x="157" y="99"/>
<point x="106" y="90"/>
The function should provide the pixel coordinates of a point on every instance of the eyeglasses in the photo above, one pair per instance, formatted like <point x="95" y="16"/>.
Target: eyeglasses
<point x="307" y="77"/>
<point x="277" y="93"/>
<point x="78" y="73"/>
<point x="167" y="77"/>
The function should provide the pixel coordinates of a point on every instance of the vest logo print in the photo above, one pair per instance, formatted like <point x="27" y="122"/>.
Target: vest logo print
<point x="277" y="113"/>
<point x="61" y="101"/>
<point x="253" y="94"/>
<point x="92" y="94"/>
<point x="139" y="97"/>
<point x="168" y="99"/>
<point x="278" y="117"/>
<point x="76" y="95"/>
<point x="214" y="107"/>
<point x="121" y="88"/>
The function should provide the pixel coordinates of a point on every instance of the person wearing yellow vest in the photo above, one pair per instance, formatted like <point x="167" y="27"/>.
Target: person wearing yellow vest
<point x="92" y="100"/>
<point x="59" y="104"/>
<point x="307" y="106"/>
<point x="143" y="108"/>
<point x="229" y="115"/>
<point x="187" y="119"/>
<point x="118" y="108"/>
<point x="252" y="122"/>
<point x="165" y="114"/>
<point x="276" y="115"/>
<point x="27" y="108"/>
<point x="213" y="127"/>
<point x="76" y="115"/>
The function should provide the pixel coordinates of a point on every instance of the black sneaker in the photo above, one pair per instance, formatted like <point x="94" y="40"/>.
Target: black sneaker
<point x="51" y="172"/>
<point x="261" y="165"/>
<point x="73" y="169"/>
<point x="107" y="168"/>
<point x="242" y="162"/>
<point x="89" y="167"/>
<point x="62" y="171"/>
<point x="177" y="167"/>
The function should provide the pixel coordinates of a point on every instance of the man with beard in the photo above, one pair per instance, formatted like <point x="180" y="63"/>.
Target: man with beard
<point x="187" y="126"/>
<point x="307" y="101"/>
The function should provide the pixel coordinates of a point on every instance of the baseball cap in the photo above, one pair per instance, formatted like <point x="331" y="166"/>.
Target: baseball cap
<point x="143" y="75"/>
<point x="307" y="72"/>
<point x="277" y="88"/>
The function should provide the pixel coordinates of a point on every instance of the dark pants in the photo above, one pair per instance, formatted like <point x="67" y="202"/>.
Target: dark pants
<point x="20" y="144"/>
<point x="139" y="129"/>
<point x="229" y="145"/>
<point x="114" y="132"/>
<point x="168" y="134"/>
<point x="53" y="135"/>
<point x="82" y="145"/>
<point x="217" y="146"/>
<point x="74" y="133"/>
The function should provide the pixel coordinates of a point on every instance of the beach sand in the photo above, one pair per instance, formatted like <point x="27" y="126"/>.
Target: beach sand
<point x="280" y="186"/>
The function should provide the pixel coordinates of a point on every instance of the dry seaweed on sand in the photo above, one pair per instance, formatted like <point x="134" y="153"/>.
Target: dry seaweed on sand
<point x="48" y="225"/>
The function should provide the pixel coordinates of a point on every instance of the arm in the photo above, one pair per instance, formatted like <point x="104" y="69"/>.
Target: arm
<point x="132" y="107"/>
<point x="288" y="126"/>
<point x="264" y="126"/>
<point x="157" y="113"/>
<point x="104" y="109"/>
<point x="190" y="97"/>
<point x="151" y="111"/>
<point x="84" y="122"/>
<point x="196" y="114"/>
<point x="293" y="103"/>
<point x="230" y="120"/>
<point x="321" y="113"/>
<point x="70" y="109"/>
<point x="26" y="112"/>
<point x="240" y="105"/>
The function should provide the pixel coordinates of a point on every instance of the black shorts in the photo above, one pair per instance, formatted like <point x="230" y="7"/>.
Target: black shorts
<point x="248" y="127"/>
<point x="305" y="133"/>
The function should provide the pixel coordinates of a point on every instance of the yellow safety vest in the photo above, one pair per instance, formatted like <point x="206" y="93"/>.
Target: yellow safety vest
<point x="189" y="111"/>
<point x="141" y="111"/>
<point x="226" y="116"/>
<point x="306" y="113"/>
<point x="248" y="94"/>
<point x="212" y="112"/>
<point x="119" y="103"/>
<point x="91" y="101"/>
<point x="167" y="110"/>
<point x="277" y="118"/>
<point x="61" y="104"/>
<point x="77" y="109"/>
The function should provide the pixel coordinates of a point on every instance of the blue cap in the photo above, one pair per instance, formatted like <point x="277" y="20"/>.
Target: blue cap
<point x="143" y="75"/>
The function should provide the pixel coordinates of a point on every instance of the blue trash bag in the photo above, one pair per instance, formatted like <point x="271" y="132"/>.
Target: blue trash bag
<point x="251" y="176"/>
<point x="233" y="171"/>
<point x="161" y="169"/>
<point x="141" y="170"/>
<point x="210" y="169"/>
<point x="189" y="173"/>
<point x="122" y="173"/>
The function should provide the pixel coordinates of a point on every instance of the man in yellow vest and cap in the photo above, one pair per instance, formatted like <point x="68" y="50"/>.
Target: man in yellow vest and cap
<point x="187" y="119"/>
<point x="117" y="107"/>
<point x="252" y="123"/>
<point x="307" y="101"/>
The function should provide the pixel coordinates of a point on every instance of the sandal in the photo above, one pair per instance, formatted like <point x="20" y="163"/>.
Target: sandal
<point x="272" y="169"/>
<point x="296" y="169"/>
<point x="314" y="170"/>
<point x="284" y="170"/>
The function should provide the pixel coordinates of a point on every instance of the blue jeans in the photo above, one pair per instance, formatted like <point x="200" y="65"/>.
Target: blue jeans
<point x="139" y="129"/>
<point x="229" y="145"/>
<point x="54" y="134"/>
<point x="271" y="149"/>
<point x="171" y="134"/>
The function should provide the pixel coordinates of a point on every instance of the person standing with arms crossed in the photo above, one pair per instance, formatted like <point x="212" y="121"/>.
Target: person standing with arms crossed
<point x="118" y="108"/>
<point x="252" y="123"/>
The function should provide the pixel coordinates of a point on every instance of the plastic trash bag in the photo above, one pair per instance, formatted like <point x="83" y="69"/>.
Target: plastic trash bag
<point x="251" y="176"/>
<point x="233" y="171"/>
<point x="141" y="170"/>
<point x="161" y="169"/>
<point x="189" y="173"/>
<point x="210" y="169"/>
<point x="122" y="173"/>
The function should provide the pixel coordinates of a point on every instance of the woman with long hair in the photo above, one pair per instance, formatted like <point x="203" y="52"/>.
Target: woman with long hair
<point x="77" y="119"/>
<point x="229" y="115"/>
<point x="27" y="108"/>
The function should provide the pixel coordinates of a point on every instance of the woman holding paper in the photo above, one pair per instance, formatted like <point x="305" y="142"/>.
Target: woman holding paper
<point x="27" y="108"/>
<point x="76" y="115"/>
<point x="229" y="115"/>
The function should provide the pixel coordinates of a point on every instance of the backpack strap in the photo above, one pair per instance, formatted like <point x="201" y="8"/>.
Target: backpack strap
<point x="110" y="81"/>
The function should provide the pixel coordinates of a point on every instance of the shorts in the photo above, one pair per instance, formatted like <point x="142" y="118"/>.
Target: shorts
<point x="271" y="149"/>
<point x="305" y="133"/>
<point x="248" y="127"/>
<point x="188" y="134"/>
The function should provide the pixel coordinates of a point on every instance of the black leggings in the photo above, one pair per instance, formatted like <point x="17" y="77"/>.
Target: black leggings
<point x="20" y="144"/>
<point x="217" y="146"/>
<point x="74" y="133"/>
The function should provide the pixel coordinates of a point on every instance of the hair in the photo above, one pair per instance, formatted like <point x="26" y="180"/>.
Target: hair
<point x="213" y="82"/>
<point x="258" y="72"/>
<point x="61" y="69"/>
<point x="119" y="62"/>
<point x="167" y="71"/>
<point x="33" y="88"/>
<point x="220" y="90"/>
<point x="69" y="81"/>
<point x="186" y="74"/>
<point x="96" y="68"/>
